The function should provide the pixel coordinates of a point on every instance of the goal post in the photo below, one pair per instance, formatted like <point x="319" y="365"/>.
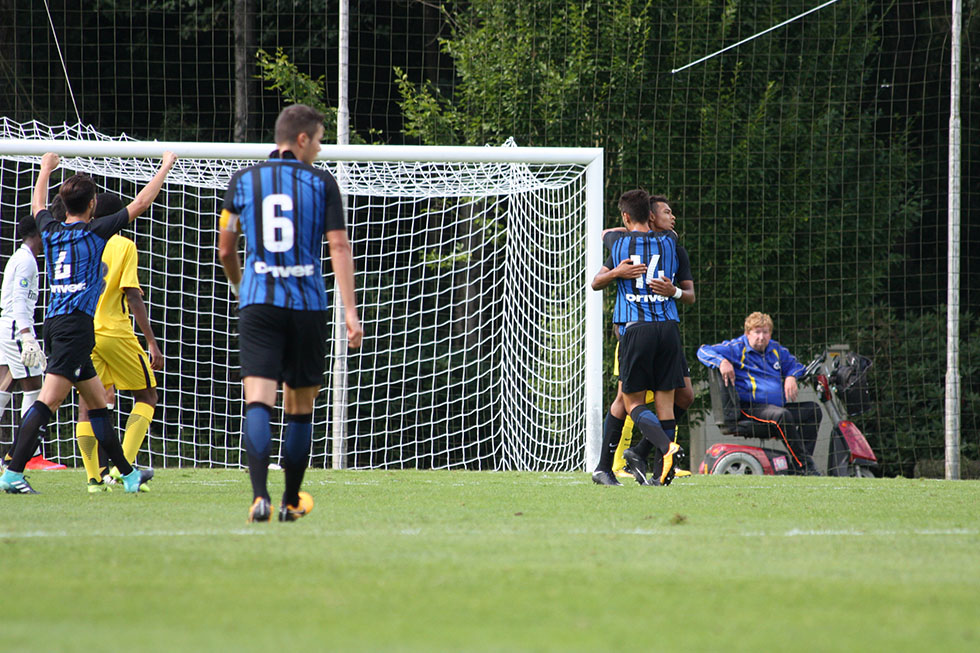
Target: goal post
<point x="483" y="345"/>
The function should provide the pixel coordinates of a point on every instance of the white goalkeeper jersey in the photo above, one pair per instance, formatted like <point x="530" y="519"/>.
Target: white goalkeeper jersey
<point x="18" y="293"/>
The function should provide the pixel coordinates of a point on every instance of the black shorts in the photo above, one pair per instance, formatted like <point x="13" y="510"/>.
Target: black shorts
<point x="283" y="344"/>
<point x="619" y="331"/>
<point x="69" y="340"/>
<point x="651" y="357"/>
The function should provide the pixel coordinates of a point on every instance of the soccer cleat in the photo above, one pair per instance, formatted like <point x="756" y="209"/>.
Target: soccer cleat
<point x="136" y="478"/>
<point x="673" y="456"/>
<point x="292" y="513"/>
<point x="600" y="477"/>
<point x="95" y="487"/>
<point x="41" y="464"/>
<point x="115" y="476"/>
<point x="15" y="483"/>
<point x="681" y="473"/>
<point x="636" y="466"/>
<point x="261" y="510"/>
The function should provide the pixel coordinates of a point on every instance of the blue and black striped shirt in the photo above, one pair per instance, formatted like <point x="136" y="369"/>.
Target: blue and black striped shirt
<point x="73" y="258"/>
<point x="285" y="208"/>
<point x="635" y="302"/>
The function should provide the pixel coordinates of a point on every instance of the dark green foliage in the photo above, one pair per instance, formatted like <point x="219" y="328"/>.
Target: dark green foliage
<point x="796" y="191"/>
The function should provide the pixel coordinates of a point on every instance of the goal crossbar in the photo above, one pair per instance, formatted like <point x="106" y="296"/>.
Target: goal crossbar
<point x="391" y="153"/>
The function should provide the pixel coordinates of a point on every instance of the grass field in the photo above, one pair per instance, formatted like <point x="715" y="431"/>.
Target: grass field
<point x="478" y="561"/>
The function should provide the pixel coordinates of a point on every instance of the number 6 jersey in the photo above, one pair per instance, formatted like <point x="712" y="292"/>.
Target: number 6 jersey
<point x="284" y="208"/>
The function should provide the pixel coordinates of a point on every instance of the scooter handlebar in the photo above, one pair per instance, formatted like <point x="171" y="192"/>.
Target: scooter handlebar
<point x="814" y="366"/>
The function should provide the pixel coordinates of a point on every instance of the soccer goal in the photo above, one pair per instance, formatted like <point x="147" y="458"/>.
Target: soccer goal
<point x="482" y="345"/>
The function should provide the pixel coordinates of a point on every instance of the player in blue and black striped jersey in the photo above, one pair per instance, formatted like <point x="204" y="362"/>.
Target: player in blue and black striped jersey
<point x="73" y="253"/>
<point x="650" y="354"/>
<point x="285" y="207"/>
<point x="663" y="218"/>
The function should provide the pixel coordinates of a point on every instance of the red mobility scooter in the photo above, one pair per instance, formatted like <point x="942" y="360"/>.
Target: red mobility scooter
<point x="840" y="380"/>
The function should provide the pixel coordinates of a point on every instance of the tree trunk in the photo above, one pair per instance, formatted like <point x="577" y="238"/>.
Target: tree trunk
<point x="244" y="52"/>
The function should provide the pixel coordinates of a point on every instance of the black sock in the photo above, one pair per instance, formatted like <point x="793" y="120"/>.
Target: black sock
<point x="297" y="439"/>
<point x="257" y="440"/>
<point x="108" y="440"/>
<point x="643" y="448"/>
<point x="103" y="456"/>
<point x="612" y="431"/>
<point x="678" y="412"/>
<point x="25" y="440"/>
<point x="670" y="428"/>
<point x="103" y="462"/>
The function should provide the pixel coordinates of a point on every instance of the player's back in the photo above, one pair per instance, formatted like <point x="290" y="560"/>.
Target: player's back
<point x="285" y="207"/>
<point x="73" y="260"/>
<point x="119" y="271"/>
<point x="635" y="302"/>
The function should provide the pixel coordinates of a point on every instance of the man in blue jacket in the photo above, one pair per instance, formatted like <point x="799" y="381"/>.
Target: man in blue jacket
<point x="764" y="374"/>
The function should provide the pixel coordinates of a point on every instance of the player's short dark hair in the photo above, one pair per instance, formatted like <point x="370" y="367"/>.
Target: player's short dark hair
<point x="57" y="208"/>
<point x="655" y="199"/>
<point x="295" y="120"/>
<point x="107" y="204"/>
<point x="26" y="227"/>
<point x="77" y="191"/>
<point x="635" y="204"/>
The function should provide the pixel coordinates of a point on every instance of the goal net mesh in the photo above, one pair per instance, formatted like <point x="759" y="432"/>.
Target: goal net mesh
<point x="470" y="284"/>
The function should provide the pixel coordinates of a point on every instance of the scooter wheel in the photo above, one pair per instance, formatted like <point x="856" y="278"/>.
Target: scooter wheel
<point x="737" y="462"/>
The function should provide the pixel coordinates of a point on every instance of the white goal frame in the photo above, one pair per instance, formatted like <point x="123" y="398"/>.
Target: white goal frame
<point x="591" y="158"/>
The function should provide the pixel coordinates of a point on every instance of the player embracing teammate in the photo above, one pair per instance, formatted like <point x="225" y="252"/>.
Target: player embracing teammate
<point x="650" y="352"/>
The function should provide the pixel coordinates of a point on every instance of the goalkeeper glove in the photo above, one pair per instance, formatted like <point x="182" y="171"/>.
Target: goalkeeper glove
<point x="234" y="288"/>
<point x="30" y="352"/>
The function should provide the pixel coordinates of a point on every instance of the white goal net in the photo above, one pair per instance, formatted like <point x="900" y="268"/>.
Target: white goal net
<point x="472" y="284"/>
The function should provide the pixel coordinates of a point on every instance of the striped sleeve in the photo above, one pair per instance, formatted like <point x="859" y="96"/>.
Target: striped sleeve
<point x="713" y="355"/>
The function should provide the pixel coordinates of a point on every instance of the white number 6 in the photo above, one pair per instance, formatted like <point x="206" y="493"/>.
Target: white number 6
<point x="277" y="230"/>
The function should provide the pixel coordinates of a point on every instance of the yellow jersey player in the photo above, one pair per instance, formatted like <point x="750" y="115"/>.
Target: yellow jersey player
<point x="118" y="357"/>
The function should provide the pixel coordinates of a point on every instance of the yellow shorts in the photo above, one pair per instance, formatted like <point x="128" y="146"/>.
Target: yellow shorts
<point x="123" y="363"/>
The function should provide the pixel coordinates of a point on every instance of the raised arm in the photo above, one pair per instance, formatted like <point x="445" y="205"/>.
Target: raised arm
<point x="39" y="201"/>
<point x="149" y="193"/>
<point x="343" y="269"/>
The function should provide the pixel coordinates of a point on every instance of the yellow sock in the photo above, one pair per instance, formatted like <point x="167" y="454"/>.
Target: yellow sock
<point x="624" y="443"/>
<point x="89" y="447"/>
<point x="136" y="427"/>
<point x="626" y="440"/>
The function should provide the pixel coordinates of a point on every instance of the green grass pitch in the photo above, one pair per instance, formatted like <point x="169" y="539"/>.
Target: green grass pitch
<point x="482" y="561"/>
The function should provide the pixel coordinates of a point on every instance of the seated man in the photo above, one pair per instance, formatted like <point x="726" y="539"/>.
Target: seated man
<point x="764" y="374"/>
